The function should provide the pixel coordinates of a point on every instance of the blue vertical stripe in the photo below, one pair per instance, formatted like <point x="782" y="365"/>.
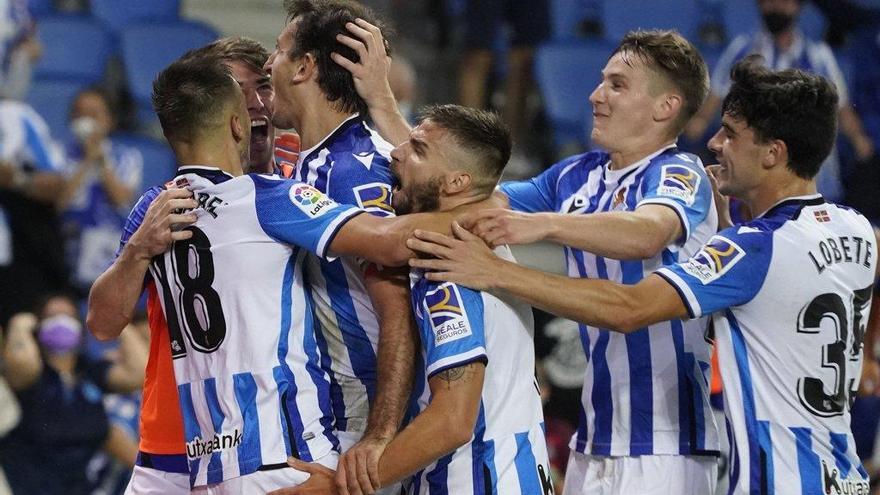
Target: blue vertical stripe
<point x="249" y="453"/>
<point x="337" y="402"/>
<point x="741" y="356"/>
<point x="526" y="465"/>
<point x="641" y="379"/>
<point x="583" y="426"/>
<point x="808" y="461"/>
<point x="765" y="440"/>
<point x="438" y="477"/>
<point x="281" y="385"/>
<point x="839" y="448"/>
<point x="601" y="397"/>
<point x="318" y="375"/>
<point x="190" y="426"/>
<point x="490" y="464"/>
<point x="215" y="465"/>
<point x="691" y="423"/>
<point x="478" y="453"/>
<point x="734" y="468"/>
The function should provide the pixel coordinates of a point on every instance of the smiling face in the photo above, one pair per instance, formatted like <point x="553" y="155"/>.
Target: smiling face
<point x="420" y="166"/>
<point x="282" y="70"/>
<point x="259" y="96"/>
<point x="740" y="155"/>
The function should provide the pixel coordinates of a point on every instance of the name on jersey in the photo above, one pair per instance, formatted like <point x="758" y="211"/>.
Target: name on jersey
<point x="448" y="319"/>
<point x="208" y="203"/>
<point x="841" y="249"/>
<point x="679" y="182"/>
<point x="833" y="485"/>
<point x="311" y="201"/>
<point x="715" y="259"/>
<point x="199" y="448"/>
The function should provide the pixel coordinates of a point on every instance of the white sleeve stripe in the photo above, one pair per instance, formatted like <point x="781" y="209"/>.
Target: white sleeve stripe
<point x="679" y="210"/>
<point x="684" y="290"/>
<point x="331" y="231"/>
<point x="456" y="360"/>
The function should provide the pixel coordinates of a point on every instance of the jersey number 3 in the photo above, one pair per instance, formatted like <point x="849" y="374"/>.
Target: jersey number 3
<point x="835" y="356"/>
<point x="196" y="310"/>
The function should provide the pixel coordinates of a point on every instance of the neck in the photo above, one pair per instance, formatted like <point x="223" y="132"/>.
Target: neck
<point x="222" y="155"/>
<point x="469" y="202"/>
<point x="764" y="197"/>
<point x="784" y="40"/>
<point x="317" y="121"/>
<point x="623" y="159"/>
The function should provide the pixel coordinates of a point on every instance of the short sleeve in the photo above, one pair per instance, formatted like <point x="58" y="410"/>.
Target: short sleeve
<point x="537" y="194"/>
<point x="296" y="213"/>
<point x="727" y="271"/>
<point x="136" y="216"/>
<point x="682" y="186"/>
<point x="364" y="180"/>
<point x="452" y="328"/>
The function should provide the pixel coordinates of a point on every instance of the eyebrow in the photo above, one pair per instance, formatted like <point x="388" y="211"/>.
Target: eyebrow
<point x="419" y="146"/>
<point x="727" y="127"/>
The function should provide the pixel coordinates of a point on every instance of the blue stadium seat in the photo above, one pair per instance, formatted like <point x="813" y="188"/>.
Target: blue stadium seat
<point x="159" y="163"/>
<point x="73" y="47"/>
<point x="567" y="72"/>
<point x="147" y="48"/>
<point x="621" y="16"/>
<point x="120" y="13"/>
<point x="51" y="98"/>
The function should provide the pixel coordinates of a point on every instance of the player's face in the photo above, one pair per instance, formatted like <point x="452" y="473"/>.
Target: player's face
<point x="419" y="166"/>
<point x="740" y="156"/>
<point x="258" y="96"/>
<point x="282" y="69"/>
<point x="622" y="103"/>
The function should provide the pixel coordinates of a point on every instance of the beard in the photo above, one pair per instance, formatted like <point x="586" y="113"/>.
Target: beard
<point x="420" y="198"/>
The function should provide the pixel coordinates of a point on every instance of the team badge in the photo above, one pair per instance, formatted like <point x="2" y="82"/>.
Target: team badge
<point x="822" y="216"/>
<point x="311" y="201"/>
<point x="715" y="259"/>
<point x="679" y="182"/>
<point x="375" y="198"/>
<point x="448" y="319"/>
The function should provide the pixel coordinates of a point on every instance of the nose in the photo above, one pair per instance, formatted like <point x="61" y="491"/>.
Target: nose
<point x="714" y="144"/>
<point x="253" y="100"/>
<point x="597" y="95"/>
<point x="268" y="65"/>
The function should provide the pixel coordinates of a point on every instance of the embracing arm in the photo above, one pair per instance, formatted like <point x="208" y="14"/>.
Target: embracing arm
<point x="383" y="240"/>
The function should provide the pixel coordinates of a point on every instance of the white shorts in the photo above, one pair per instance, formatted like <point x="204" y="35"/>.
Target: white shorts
<point x="347" y="439"/>
<point x="148" y="481"/>
<point x="645" y="475"/>
<point x="264" y="481"/>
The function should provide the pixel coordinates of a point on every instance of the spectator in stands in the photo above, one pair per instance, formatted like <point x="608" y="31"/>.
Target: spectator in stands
<point x="19" y="48"/>
<point x="63" y="422"/>
<point x="784" y="46"/>
<point x="102" y="178"/>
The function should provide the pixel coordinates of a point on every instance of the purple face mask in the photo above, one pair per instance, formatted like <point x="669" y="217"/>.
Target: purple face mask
<point x="59" y="334"/>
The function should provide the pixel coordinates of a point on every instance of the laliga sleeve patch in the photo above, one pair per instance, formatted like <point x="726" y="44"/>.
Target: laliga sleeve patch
<point x="448" y="319"/>
<point x="374" y="197"/>
<point x="311" y="201"/>
<point x="715" y="259"/>
<point x="679" y="182"/>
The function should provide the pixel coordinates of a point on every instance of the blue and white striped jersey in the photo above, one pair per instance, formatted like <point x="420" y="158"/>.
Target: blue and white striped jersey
<point x="246" y="360"/>
<point x="508" y="452"/>
<point x="352" y="166"/>
<point x="25" y="141"/>
<point x="789" y="294"/>
<point x="646" y="392"/>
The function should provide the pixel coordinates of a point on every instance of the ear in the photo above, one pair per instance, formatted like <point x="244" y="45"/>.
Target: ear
<point x="457" y="182"/>
<point x="668" y="107"/>
<point x="777" y="154"/>
<point x="237" y="127"/>
<point x="306" y="68"/>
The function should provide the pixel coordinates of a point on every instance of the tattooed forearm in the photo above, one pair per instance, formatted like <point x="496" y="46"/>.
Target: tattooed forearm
<point x="463" y="373"/>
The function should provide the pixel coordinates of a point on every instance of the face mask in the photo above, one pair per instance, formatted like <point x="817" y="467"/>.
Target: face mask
<point x="777" y="22"/>
<point x="59" y="334"/>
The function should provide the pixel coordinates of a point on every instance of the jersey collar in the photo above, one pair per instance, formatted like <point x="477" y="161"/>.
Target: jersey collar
<point x="213" y="174"/>
<point x="806" y="200"/>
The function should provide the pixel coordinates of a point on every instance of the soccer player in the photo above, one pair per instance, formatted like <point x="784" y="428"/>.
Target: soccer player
<point x="367" y="333"/>
<point x="788" y="292"/>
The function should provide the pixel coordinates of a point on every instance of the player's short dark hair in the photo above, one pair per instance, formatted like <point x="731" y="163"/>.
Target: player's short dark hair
<point x="479" y="132"/>
<point x="191" y="94"/>
<point x="677" y="60"/>
<point x="318" y="23"/>
<point x="793" y="106"/>
<point x="235" y="49"/>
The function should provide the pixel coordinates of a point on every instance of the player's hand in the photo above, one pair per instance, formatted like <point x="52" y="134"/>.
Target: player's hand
<point x="499" y="227"/>
<point x="287" y="148"/>
<point x="870" y="383"/>
<point x="162" y="222"/>
<point x="358" y="470"/>
<point x="722" y="202"/>
<point x="370" y="73"/>
<point x="464" y="260"/>
<point x="320" y="480"/>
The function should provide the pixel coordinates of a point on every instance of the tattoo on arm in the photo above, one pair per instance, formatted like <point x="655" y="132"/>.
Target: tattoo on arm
<point x="464" y="373"/>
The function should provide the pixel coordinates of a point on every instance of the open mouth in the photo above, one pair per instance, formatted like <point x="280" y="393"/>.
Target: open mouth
<point x="259" y="131"/>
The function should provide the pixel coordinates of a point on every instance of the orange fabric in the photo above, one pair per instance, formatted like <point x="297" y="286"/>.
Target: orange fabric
<point x="161" y="421"/>
<point x="716" y="373"/>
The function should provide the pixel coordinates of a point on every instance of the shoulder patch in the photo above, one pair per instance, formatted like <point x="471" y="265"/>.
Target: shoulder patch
<point x="448" y="319"/>
<point x="311" y="201"/>
<point x="715" y="259"/>
<point x="374" y="197"/>
<point x="679" y="182"/>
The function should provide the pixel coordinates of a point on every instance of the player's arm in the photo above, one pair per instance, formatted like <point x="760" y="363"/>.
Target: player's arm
<point x="370" y="74"/>
<point x="21" y="354"/>
<point x="127" y="373"/>
<point x="114" y="295"/>
<point x="446" y="424"/>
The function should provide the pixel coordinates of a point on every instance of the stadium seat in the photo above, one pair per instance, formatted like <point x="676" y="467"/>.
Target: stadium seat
<point x="567" y="72"/>
<point x="147" y="48"/>
<point x="120" y="13"/>
<point x="159" y="163"/>
<point x="73" y="47"/>
<point x="621" y="16"/>
<point x="51" y="98"/>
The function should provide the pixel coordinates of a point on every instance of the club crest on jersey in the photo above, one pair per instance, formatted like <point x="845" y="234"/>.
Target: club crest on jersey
<point x="714" y="259"/>
<point x="311" y="201"/>
<point x="619" y="201"/>
<point x="447" y="315"/>
<point x="375" y="198"/>
<point x="679" y="182"/>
